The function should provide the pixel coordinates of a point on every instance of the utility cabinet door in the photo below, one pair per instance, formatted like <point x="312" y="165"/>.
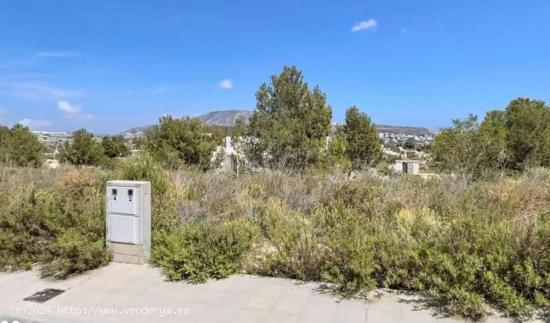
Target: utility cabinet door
<point x="123" y="200"/>
<point x="123" y="228"/>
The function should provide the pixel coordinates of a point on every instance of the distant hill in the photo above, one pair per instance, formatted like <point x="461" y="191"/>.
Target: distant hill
<point x="227" y="118"/>
<point x="414" y="131"/>
<point x="137" y="129"/>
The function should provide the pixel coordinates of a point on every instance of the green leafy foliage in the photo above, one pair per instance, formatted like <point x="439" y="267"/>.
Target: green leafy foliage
<point x="290" y="123"/>
<point x="72" y="252"/>
<point x="59" y="226"/>
<point x="114" y="146"/>
<point x="199" y="250"/>
<point x="363" y="144"/>
<point x="466" y="247"/>
<point x="335" y="155"/>
<point x="527" y="123"/>
<point x="514" y="139"/>
<point x="20" y="147"/>
<point x="83" y="150"/>
<point x="458" y="245"/>
<point x="181" y="142"/>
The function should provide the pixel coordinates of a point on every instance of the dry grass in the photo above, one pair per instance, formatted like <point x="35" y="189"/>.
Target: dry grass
<point x="467" y="245"/>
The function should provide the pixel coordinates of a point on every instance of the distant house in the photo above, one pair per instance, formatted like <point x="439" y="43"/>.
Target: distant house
<point x="407" y="166"/>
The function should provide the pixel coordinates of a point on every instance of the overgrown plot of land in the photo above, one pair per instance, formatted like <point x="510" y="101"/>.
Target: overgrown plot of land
<point x="468" y="246"/>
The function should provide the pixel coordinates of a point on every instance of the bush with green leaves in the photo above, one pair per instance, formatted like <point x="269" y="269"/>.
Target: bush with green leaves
<point x="513" y="139"/>
<point x="467" y="247"/>
<point x="198" y="251"/>
<point x="59" y="227"/>
<point x="73" y="252"/>
<point x="115" y="146"/>
<point x="84" y="149"/>
<point x="182" y="142"/>
<point x="20" y="147"/>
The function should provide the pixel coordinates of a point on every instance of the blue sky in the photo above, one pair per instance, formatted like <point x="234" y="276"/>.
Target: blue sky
<point x="111" y="65"/>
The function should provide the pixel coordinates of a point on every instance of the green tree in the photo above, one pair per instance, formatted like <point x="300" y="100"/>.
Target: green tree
<point x="239" y="130"/>
<point x="492" y="132"/>
<point x="83" y="150"/>
<point x="290" y="124"/>
<point x="458" y="149"/>
<point x="4" y="135"/>
<point x="527" y="123"/>
<point x="20" y="147"/>
<point x="335" y="153"/>
<point x="363" y="144"/>
<point x="177" y="142"/>
<point x="515" y="138"/>
<point x="114" y="146"/>
<point x="409" y="144"/>
<point x="543" y="148"/>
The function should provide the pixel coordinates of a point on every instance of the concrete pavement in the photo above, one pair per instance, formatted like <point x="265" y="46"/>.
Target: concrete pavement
<point x="139" y="293"/>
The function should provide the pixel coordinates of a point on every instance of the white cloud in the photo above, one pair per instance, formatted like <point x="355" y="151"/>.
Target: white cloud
<point x="55" y="54"/>
<point x="365" y="24"/>
<point x="35" y="124"/>
<point x="72" y="111"/>
<point x="68" y="109"/>
<point x="226" y="84"/>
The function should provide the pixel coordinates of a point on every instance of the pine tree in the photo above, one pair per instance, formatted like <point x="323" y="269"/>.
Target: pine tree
<point x="290" y="124"/>
<point x="178" y="142"/>
<point x="83" y="150"/>
<point x="20" y="147"/>
<point x="363" y="144"/>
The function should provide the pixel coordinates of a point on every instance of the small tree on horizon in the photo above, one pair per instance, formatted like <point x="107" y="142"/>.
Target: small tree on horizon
<point x="114" y="146"/>
<point x="363" y="144"/>
<point x="181" y="142"/>
<point x="83" y="150"/>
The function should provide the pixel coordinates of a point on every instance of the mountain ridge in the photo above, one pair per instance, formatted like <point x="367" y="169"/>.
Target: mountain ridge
<point x="227" y="118"/>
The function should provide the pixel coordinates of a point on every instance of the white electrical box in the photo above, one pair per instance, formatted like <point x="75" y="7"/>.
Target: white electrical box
<point x="129" y="220"/>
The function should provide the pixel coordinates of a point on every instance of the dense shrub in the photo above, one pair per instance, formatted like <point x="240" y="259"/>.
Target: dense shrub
<point x="199" y="250"/>
<point x="22" y="231"/>
<point x="60" y="227"/>
<point x="468" y="247"/>
<point x="73" y="252"/>
<point x="181" y="142"/>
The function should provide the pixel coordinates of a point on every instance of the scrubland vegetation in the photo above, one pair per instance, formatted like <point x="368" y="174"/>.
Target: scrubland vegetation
<point x="472" y="240"/>
<point x="468" y="247"/>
